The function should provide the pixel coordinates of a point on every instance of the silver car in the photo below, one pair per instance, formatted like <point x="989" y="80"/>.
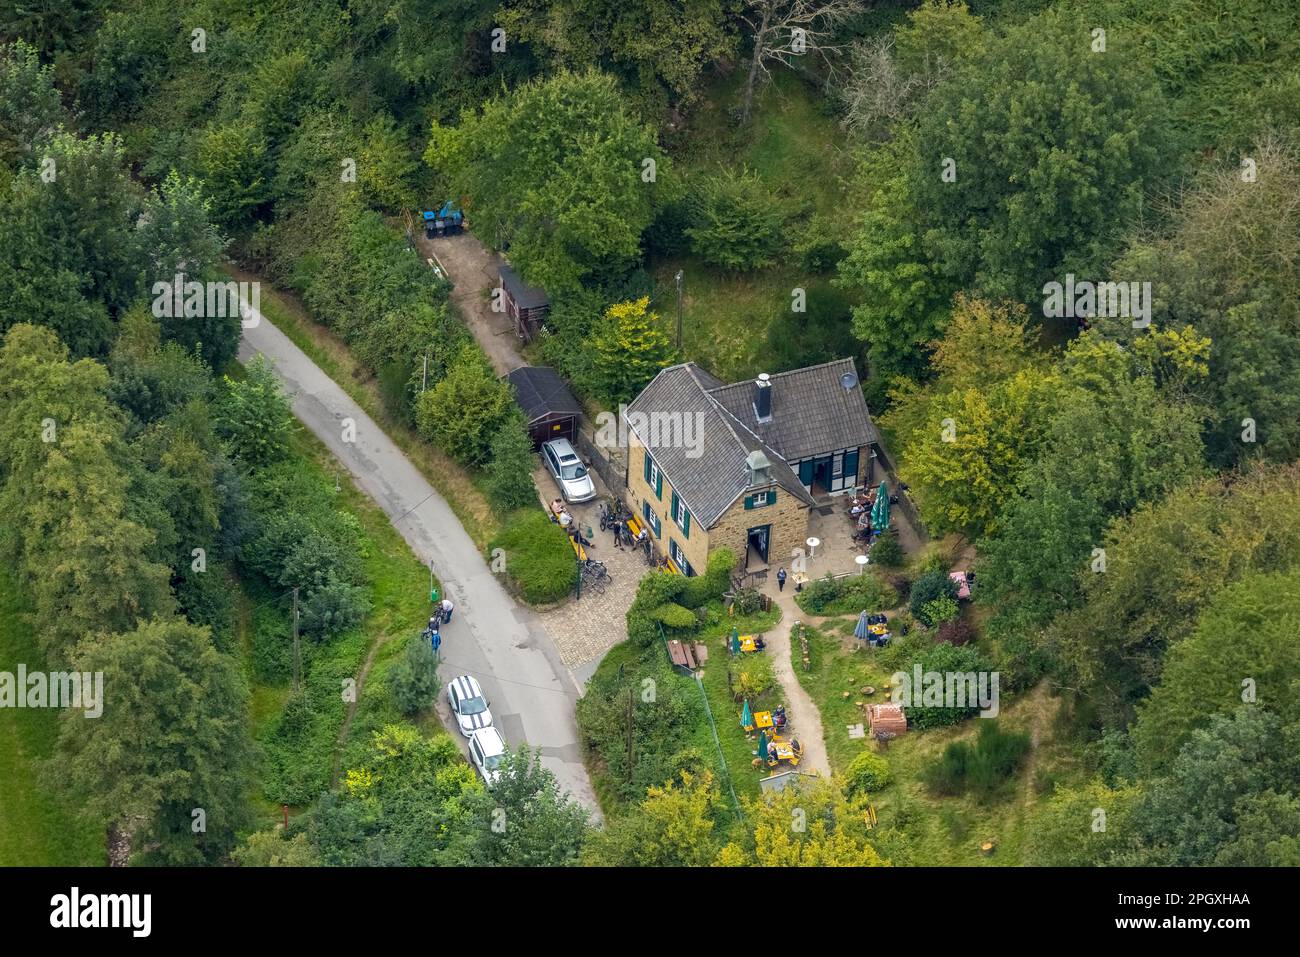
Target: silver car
<point x="568" y="471"/>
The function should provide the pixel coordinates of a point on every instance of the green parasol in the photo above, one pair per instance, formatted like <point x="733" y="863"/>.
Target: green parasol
<point x="735" y="642"/>
<point x="746" y="717"/>
<point x="880" y="511"/>
<point x="762" y="745"/>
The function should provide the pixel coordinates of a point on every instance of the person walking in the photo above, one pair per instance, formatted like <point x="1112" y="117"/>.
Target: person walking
<point x="780" y="579"/>
<point x="447" y="607"/>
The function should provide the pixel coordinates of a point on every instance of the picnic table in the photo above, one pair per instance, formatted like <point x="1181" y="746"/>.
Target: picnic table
<point x="749" y="643"/>
<point x="787" y="751"/>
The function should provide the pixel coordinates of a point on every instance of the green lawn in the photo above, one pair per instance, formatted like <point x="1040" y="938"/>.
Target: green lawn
<point x="939" y="831"/>
<point x="37" y="828"/>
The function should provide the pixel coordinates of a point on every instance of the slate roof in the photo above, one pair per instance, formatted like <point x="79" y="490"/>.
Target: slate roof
<point x="524" y="295"/>
<point x="540" y="391"/>
<point x="812" y="412"/>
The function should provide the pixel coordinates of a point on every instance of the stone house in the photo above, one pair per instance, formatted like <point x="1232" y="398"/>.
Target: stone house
<point x="713" y="465"/>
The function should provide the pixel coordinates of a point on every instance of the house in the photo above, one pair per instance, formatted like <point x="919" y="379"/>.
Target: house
<point x="887" y="719"/>
<point x="739" y="466"/>
<point x="526" y="305"/>
<point x="549" y="407"/>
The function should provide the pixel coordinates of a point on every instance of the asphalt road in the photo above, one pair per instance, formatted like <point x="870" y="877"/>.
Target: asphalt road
<point x="491" y="637"/>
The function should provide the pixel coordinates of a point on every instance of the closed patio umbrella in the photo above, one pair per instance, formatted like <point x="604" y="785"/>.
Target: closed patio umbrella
<point x="735" y="642"/>
<point x="880" y="511"/>
<point x="762" y="745"/>
<point x="861" y="630"/>
<point x="746" y="717"/>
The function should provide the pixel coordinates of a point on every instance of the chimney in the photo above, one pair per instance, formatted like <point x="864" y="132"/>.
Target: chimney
<point x="763" y="398"/>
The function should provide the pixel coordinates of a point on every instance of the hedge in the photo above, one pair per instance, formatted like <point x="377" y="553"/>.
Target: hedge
<point x="540" y="565"/>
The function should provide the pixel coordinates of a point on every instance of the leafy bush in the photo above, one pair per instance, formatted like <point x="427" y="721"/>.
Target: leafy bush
<point x="931" y="585"/>
<point x="672" y="615"/>
<point x="736" y="223"/>
<point x="508" y="477"/>
<point x="839" y="596"/>
<point x="886" y="551"/>
<point x="867" y="772"/>
<point x="539" y="561"/>
<point x="940" y="611"/>
<point x="955" y="632"/>
<point x="254" y="417"/>
<point x="333" y="608"/>
<point x="461" y="413"/>
<point x="753" y="675"/>
<point x="983" y="769"/>
<point x="715" y="581"/>
<point x="413" y="681"/>
<point x="943" y="659"/>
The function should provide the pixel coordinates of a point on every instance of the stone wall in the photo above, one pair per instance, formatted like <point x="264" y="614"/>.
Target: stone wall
<point x="789" y="520"/>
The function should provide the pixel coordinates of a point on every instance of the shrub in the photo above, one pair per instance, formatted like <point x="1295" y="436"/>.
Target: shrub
<point x="867" y="772"/>
<point x="983" y="769"/>
<point x="753" y="676"/>
<point x="736" y="223"/>
<point x="747" y="601"/>
<point x="672" y="615"/>
<point x="333" y="608"/>
<point x="715" y="581"/>
<point x="539" y="561"/>
<point x="939" y="611"/>
<point x="508" y="477"/>
<point x="413" y="681"/>
<point x="886" y="552"/>
<point x="943" y="659"/>
<point x="955" y="632"/>
<point x="462" y="412"/>
<point x="931" y="585"/>
<point x="838" y="596"/>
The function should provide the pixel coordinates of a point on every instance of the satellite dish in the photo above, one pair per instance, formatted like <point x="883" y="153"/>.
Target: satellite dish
<point x="849" y="380"/>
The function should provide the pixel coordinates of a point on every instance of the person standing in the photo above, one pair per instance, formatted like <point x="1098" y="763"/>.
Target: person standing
<point x="447" y="607"/>
<point x="780" y="579"/>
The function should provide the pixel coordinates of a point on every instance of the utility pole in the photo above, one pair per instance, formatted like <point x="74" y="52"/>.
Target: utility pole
<point x="680" y="276"/>
<point x="297" y="654"/>
<point x="424" y="379"/>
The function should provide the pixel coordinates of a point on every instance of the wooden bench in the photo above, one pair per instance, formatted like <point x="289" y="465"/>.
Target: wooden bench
<point x="680" y="653"/>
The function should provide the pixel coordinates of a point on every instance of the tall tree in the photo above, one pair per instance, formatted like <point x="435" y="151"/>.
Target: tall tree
<point x="168" y="764"/>
<point x="561" y="170"/>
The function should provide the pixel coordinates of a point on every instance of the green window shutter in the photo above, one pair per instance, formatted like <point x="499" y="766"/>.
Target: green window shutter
<point x="686" y="524"/>
<point x="749" y="502"/>
<point x="673" y="512"/>
<point x="647" y="466"/>
<point x="659" y="484"/>
<point x="771" y="497"/>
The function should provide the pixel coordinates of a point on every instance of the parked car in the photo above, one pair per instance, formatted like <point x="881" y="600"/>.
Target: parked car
<point x="568" y="471"/>
<point x="486" y="749"/>
<point x="468" y="705"/>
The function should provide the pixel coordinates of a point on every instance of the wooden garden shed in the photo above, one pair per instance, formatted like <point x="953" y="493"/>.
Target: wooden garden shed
<point x="549" y="407"/>
<point x="526" y="305"/>
<point x="887" y="718"/>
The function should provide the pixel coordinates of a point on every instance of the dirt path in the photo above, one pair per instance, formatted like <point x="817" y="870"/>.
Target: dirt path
<point x="805" y="718"/>
<point x="472" y="269"/>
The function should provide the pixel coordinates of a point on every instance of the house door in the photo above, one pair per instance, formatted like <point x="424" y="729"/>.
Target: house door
<point x="822" y="475"/>
<point x="758" y="542"/>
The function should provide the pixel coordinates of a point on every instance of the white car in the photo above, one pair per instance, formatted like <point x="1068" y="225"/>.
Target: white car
<point x="468" y="705"/>
<point x="486" y="750"/>
<point x="568" y="471"/>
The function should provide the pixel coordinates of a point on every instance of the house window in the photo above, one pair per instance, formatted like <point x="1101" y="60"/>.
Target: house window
<point x="681" y="516"/>
<point x="653" y="477"/>
<point x="651" y="519"/>
<point x="760" y="499"/>
<point x="679" y="558"/>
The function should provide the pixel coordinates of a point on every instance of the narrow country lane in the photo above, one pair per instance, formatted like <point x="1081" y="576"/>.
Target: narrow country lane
<point x="501" y="643"/>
